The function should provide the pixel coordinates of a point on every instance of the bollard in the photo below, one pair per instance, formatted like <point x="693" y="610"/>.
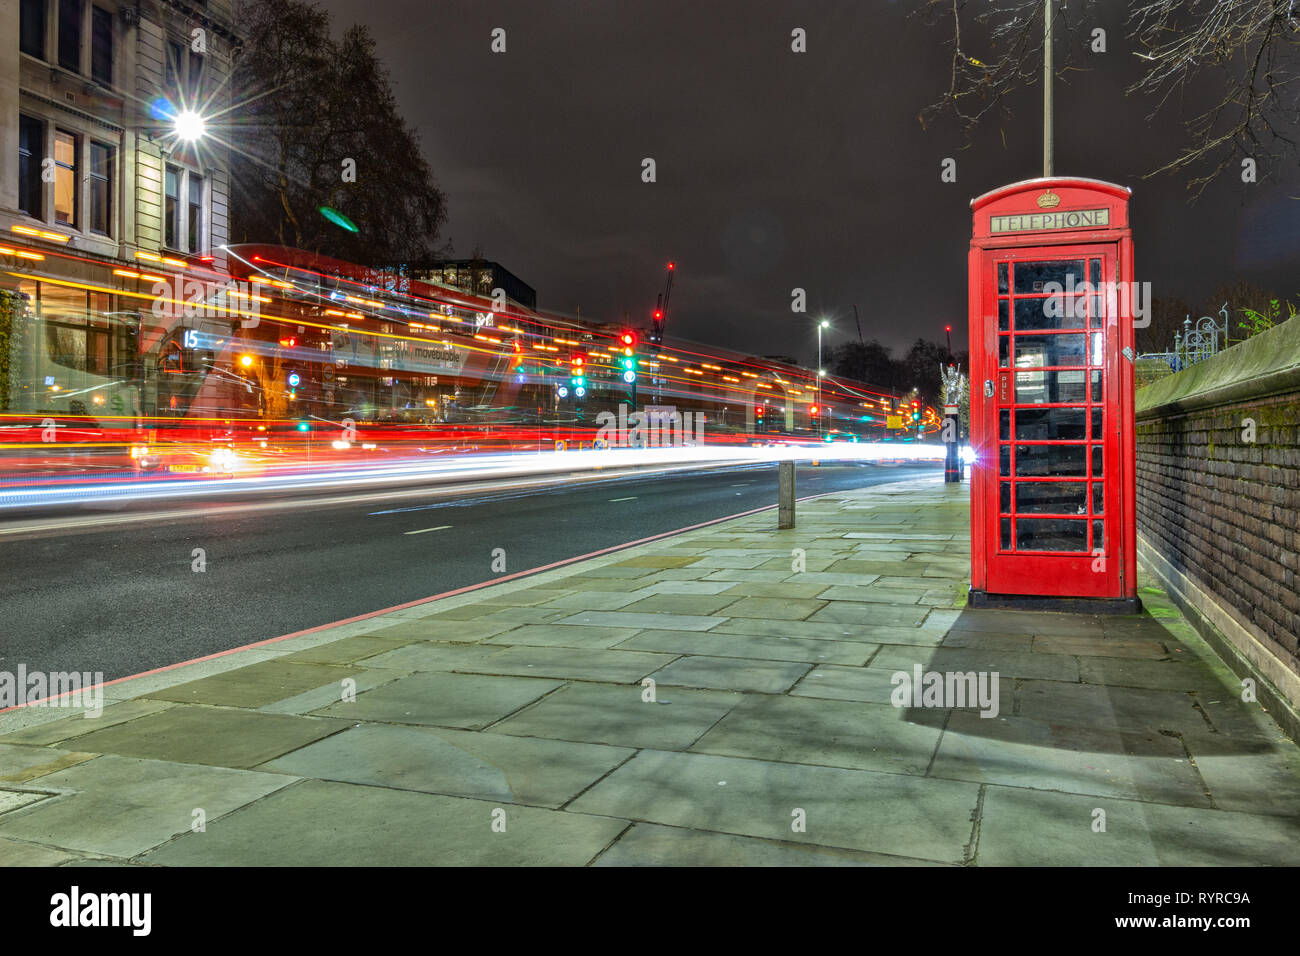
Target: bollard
<point x="785" y="494"/>
<point x="951" y="435"/>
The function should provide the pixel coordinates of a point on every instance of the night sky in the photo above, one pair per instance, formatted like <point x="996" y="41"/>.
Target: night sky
<point x="775" y="169"/>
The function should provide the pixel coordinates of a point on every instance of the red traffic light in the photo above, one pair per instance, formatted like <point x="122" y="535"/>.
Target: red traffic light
<point x="813" y="410"/>
<point x="288" y="343"/>
<point x="672" y="266"/>
<point x="628" y="338"/>
<point x="576" y="360"/>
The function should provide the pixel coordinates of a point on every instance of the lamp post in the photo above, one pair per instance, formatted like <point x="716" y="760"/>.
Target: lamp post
<point x="821" y="372"/>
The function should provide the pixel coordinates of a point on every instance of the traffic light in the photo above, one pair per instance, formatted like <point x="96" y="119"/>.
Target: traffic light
<point x="627" y="361"/>
<point x="813" y="410"/>
<point x="288" y="342"/>
<point x="577" y="374"/>
<point x="916" y="411"/>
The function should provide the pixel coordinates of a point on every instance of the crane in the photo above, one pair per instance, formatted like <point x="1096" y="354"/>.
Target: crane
<point x="661" y="308"/>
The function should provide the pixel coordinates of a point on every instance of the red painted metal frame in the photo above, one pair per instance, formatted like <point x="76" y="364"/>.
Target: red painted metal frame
<point x="1048" y="574"/>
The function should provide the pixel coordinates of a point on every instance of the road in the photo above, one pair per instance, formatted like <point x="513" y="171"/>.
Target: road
<point x="119" y="594"/>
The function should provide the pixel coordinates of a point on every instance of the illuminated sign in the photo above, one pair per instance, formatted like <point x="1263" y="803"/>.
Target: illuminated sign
<point x="1035" y="221"/>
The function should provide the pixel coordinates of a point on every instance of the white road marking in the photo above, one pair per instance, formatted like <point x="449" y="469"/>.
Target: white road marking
<point x="633" y="498"/>
<point x="441" y="527"/>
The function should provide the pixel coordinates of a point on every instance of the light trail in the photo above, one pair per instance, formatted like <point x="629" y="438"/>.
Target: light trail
<point x="458" y="468"/>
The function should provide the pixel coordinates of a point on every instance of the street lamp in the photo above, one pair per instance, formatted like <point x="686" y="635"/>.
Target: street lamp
<point x="189" y="126"/>
<point x="821" y="373"/>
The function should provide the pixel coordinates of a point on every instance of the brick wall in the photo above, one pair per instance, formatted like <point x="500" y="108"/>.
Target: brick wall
<point x="1218" y="485"/>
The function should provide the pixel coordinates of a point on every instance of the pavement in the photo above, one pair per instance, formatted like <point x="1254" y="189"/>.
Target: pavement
<point x="278" y="564"/>
<point x="718" y="697"/>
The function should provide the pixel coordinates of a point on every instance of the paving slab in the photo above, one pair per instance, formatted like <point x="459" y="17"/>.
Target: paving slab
<point x="657" y="561"/>
<point x="829" y="733"/>
<point x="863" y="614"/>
<point x="22" y="764"/>
<point x="1047" y="623"/>
<point x="323" y="823"/>
<point x="681" y="587"/>
<point x="752" y="646"/>
<point x="530" y="770"/>
<point x="680" y="604"/>
<point x="592" y="600"/>
<point x="1251" y="776"/>
<point x="1162" y="675"/>
<point x="897" y="814"/>
<point x="729" y="673"/>
<point x="874" y="685"/>
<point x="216" y="736"/>
<point x="254" y="685"/>
<point x="771" y="609"/>
<point x="1007" y="664"/>
<point x="1019" y="751"/>
<point x="1039" y="828"/>
<point x="1099" y="647"/>
<point x="757" y="627"/>
<point x="649" y="844"/>
<point x="525" y="615"/>
<point x="446" y="700"/>
<point x="619" y="716"/>
<point x="447" y="632"/>
<point x="989" y="641"/>
<point x="427" y="656"/>
<point x="349" y="650"/>
<point x="306" y="702"/>
<point x="123" y="806"/>
<point x="1117" y="708"/>
<point x="72" y="726"/>
<point x="564" y="663"/>
<point x="14" y="853"/>
<point x="668" y="622"/>
<point x="564" y="635"/>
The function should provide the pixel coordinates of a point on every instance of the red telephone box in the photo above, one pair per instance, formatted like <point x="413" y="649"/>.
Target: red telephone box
<point x="1051" y="372"/>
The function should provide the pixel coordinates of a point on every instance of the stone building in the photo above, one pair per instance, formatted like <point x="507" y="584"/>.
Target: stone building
<point x="114" y="175"/>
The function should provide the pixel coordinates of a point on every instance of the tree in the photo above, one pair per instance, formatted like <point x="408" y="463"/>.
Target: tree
<point x="319" y="127"/>
<point x="1240" y="59"/>
<point x="870" y="362"/>
<point x="922" y="366"/>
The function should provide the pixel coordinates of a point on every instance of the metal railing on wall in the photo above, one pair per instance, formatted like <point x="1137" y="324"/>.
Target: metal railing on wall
<point x="1196" y="342"/>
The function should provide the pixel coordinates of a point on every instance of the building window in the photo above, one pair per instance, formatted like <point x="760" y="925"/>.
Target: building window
<point x="175" y="57"/>
<point x="72" y="15"/>
<point x="101" y="45"/>
<point x="31" y="146"/>
<point x="65" y="178"/>
<point x="195" y="77"/>
<point x="171" y="207"/>
<point x="101" y="188"/>
<point x="31" y="28"/>
<point x="194" y="219"/>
